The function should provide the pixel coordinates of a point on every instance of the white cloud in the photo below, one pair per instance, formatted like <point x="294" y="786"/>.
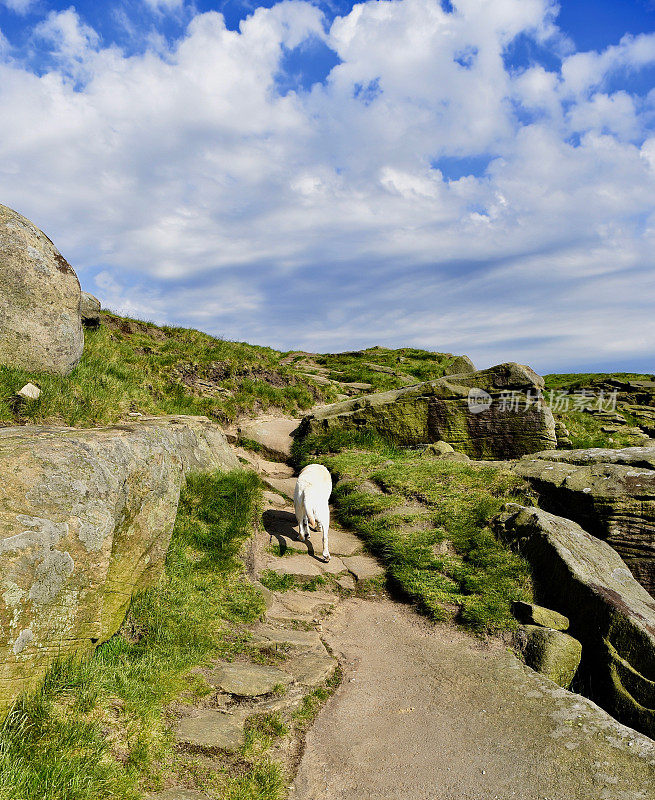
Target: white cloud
<point x="196" y="193"/>
<point x="19" y="6"/>
<point x="165" y="5"/>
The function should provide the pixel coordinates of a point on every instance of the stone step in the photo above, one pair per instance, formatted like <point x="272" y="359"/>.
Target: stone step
<point x="284" y="485"/>
<point x="246" y="679"/>
<point x="311" y="669"/>
<point x="364" y="567"/>
<point x="213" y="729"/>
<point x="178" y="793"/>
<point x="264" y="635"/>
<point x="272" y="435"/>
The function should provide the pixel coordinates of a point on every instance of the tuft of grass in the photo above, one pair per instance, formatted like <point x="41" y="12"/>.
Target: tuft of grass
<point x="277" y="583"/>
<point x="98" y="729"/>
<point x="451" y="565"/>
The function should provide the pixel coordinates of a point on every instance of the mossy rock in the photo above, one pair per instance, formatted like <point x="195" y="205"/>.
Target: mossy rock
<point x="531" y="614"/>
<point x="552" y="653"/>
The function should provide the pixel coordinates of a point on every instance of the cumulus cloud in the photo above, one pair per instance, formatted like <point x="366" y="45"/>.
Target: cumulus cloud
<point x="193" y="189"/>
<point x="19" y="6"/>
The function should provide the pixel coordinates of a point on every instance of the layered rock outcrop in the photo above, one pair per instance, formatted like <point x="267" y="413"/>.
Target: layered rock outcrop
<point x="85" y="519"/>
<point x="611" y="493"/>
<point x="609" y="611"/>
<point x="40" y="325"/>
<point x="492" y="413"/>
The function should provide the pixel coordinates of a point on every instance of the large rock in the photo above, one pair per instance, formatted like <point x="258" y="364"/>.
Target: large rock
<point x="610" y="613"/>
<point x="506" y="420"/>
<point x="611" y="493"/>
<point x="85" y="519"/>
<point x="90" y="308"/>
<point x="40" y="326"/>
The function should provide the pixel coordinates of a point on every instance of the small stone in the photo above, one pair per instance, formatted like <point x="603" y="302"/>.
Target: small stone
<point x="439" y="448"/>
<point x="346" y="582"/>
<point x="90" y="308"/>
<point x="531" y="614"/>
<point x="211" y="728"/>
<point x="363" y="567"/>
<point x="553" y="653"/>
<point x="247" y="680"/>
<point x="30" y="392"/>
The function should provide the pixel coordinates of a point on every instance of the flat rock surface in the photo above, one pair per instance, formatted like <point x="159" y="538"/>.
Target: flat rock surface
<point x="247" y="680"/>
<point x="428" y="713"/>
<point x="284" y="485"/>
<point x="211" y="728"/>
<point x="306" y="602"/>
<point x="311" y="669"/>
<point x="263" y="634"/>
<point x="273" y="435"/>
<point x="298" y="566"/>
<point x="177" y="793"/>
<point x="363" y="567"/>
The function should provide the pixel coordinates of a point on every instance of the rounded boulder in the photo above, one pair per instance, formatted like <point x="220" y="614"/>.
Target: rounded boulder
<point x="40" y="323"/>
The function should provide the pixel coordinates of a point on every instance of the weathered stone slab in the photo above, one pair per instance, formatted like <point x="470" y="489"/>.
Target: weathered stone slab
<point x="297" y="566"/>
<point x="311" y="669"/>
<point x="285" y="485"/>
<point x="611" y="493"/>
<point x="178" y="793"/>
<point x="212" y="729"/>
<point x="86" y="516"/>
<point x="272" y="435"/>
<point x="275" y="500"/>
<point x="247" y="680"/>
<point x="310" y="603"/>
<point x="363" y="567"/>
<point x="440" y="410"/>
<point x="610" y="613"/>
<point x="268" y="635"/>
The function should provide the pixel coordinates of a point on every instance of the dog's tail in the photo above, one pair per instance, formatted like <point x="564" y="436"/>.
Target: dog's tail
<point x="309" y="513"/>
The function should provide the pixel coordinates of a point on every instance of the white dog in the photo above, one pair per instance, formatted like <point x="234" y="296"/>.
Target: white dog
<point x="311" y="496"/>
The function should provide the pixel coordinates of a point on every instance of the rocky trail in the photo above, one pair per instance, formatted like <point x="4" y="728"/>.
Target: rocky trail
<point x="423" y="711"/>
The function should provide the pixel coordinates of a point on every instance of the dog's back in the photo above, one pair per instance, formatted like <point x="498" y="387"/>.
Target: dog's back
<point x="311" y="501"/>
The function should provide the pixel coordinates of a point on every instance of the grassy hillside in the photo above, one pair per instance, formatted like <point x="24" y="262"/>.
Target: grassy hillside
<point x="134" y="366"/>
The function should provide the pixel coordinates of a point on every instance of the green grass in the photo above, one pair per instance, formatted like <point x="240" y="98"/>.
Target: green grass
<point x="582" y="380"/>
<point x="410" y="364"/>
<point x="586" y="430"/>
<point x="99" y="729"/>
<point x="474" y="577"/>
<point x="133" y="366"/>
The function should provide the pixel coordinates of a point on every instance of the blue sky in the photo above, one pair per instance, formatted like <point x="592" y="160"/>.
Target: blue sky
<point x="475" y="176"/>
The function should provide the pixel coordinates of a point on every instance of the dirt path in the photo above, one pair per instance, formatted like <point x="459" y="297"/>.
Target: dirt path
<point x="429" y="713"/>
